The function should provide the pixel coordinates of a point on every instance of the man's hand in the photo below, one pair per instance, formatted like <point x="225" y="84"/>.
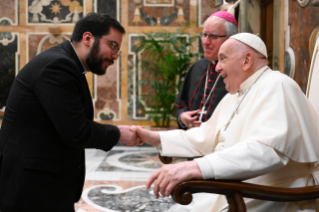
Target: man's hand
<point x="189" y="119"/>
<point x="147" y="136"/>
<point x="170" y="175"/>
<point x="128" y="137"/>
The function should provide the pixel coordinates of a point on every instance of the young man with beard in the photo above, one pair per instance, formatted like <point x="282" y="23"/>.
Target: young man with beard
<point x="48" y="121"/>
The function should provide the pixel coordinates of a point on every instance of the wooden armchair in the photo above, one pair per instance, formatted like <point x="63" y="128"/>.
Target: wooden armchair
<point x="235" y="191"/>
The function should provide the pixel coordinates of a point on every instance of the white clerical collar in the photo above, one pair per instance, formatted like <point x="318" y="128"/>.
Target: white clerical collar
<point x="250" y="80"/>
<point x="84" y="72"/>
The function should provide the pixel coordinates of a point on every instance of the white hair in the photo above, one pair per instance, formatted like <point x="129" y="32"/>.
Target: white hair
<point x="230" y="28"/>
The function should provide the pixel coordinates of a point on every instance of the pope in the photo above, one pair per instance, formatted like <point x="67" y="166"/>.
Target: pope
<point x="264" y="131"/>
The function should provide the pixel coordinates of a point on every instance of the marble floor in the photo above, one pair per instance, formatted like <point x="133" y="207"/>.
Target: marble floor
<point x="115" y="181"/>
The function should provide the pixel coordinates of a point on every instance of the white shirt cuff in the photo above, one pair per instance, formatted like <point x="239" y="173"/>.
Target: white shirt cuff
<point x="205" y="168"/>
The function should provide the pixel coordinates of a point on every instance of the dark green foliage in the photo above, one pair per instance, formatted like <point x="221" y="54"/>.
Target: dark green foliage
<point x="166" y="59"/>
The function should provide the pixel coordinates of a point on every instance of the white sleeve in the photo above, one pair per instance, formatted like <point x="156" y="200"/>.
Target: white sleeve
<point x="242" y="161"/>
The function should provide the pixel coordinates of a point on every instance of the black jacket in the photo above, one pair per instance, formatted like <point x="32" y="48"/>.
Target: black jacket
<point x="47" y="124"/>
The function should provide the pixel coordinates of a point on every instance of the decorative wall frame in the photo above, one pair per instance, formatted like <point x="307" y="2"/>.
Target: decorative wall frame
<point x="204" y="9"/>
<point x="158" y="12"/>
<point x="159" y="3"/>
<point x="290" y="58"/>
<point x="303" y="3"/>
<point x="137" y="107"/>
<point x="44" y="12"/>
<point x="9" y="12"/>
<point x="111" y="7"/>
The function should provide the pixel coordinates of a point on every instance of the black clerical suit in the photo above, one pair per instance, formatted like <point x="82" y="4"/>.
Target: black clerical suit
<point x="191" y="96"/>
<point x="47" y="124"/>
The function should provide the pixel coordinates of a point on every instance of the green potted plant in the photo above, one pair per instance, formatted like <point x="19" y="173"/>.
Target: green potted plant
<point x="165" y="60"/>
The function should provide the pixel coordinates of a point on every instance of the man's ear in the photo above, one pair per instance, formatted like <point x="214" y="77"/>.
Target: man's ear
<point x="248" y="62"/>
<point x="88" y="39"/>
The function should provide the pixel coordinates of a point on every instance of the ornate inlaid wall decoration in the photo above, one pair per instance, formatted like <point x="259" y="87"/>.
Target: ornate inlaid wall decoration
<point x="108" y="87"/>
<point x="107" y="104"/>
<point x="250" y="16"/>
<point x="205" y="9"/>
<point x="54" y="11"/>
<point x="158" y="12"/>
<point x="9" y="12"/>
<point x="290" y="59"/>
<point x="303" y="3"/>
<point x="137" y="107"/>
<point x="9" y="63"/>
<point x="110" y="7"/>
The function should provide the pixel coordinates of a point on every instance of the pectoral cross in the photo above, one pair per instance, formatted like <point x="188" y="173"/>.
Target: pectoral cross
<point x="201" y="113"/>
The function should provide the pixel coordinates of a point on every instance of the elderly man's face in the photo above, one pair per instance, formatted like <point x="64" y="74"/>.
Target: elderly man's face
<point x="215" y="26"/>
<point x="230" y="64"/>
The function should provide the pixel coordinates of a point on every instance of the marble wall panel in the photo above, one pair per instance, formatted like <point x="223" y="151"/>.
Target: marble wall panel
<point x="9" y="11"/>
<point x="9" y="63"/>
<point x="110" y="7"/>
<point x="204" y="9"/>
<point x="158" y="12"/>
<point x="54" y="11"/>
<point x="137" y="105"/>
<point x="108" y="99"/>
<point x="107" y="102"/>
<point x="302" y="21"/>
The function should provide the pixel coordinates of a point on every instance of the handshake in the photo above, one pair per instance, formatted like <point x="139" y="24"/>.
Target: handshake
<point x="137" y="135"/>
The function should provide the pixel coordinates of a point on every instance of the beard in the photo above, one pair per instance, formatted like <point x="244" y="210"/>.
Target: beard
<point x="94" y="62"/>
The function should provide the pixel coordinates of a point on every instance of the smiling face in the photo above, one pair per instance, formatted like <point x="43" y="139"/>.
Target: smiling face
<point x="101" y="54"/>
<point x="231" y="62"/>
<point x="214" y="25"/>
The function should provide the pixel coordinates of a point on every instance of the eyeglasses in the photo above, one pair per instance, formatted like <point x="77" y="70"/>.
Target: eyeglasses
<point x="114" y="46"/>
<point x="211" y="36"/>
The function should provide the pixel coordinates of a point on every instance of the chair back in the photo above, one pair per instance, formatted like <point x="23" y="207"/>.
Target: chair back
<point x="313" y="79"/>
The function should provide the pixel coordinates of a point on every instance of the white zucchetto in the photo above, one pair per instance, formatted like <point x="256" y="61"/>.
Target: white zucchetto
<point x="253" y="41"/>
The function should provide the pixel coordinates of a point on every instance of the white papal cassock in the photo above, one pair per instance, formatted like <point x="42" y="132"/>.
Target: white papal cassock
<point x="273" y="139"/>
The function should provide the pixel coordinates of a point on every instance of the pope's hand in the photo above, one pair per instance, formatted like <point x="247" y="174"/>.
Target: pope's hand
<point x="128" y="137"/>
<point x="166" y="178"/>
<point x="189" y="118"/>
<point x="147" y="136"/>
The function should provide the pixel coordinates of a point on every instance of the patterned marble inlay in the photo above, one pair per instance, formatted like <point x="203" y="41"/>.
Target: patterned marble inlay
<point x="205" y="9"/>
<point x="137" y="106"/>
<point x="9" y="11"/>
<point x="54" y="11"/>
<point x="107" y="103"/>
<point x="135" y="199"/>
<point x="108" y="100"/>
<point x="110" y="7"/>
<point x="121" y="160"/>
<point x="158" y="12"/>
<point x="9" y="63"/>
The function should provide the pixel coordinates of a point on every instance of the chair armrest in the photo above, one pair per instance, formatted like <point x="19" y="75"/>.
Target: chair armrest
<point x="164" y="159"/>
<point x="236" y="190"/>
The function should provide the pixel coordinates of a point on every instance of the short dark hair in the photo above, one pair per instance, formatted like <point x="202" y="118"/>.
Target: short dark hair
<point x="97" y="23"/>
